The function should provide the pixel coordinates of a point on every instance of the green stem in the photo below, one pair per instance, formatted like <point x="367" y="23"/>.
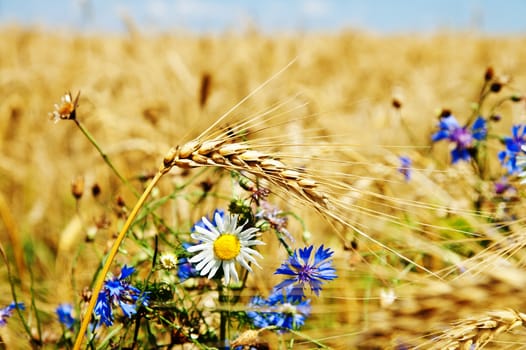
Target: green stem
<point x="105" y="157"/>
<point x="223" y="323"/>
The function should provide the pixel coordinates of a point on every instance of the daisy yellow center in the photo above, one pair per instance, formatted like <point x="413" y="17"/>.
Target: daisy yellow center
<point x="227" y="247"/>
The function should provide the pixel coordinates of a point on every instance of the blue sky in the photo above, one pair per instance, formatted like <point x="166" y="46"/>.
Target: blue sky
<point x="379" y="16"/>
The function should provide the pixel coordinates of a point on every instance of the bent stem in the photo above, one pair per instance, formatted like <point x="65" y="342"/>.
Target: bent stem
<point x="111" y="255"/>
<point x="105" y="156"/>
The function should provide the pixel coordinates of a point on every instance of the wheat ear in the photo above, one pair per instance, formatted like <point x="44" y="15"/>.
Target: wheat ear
<point x="239" y="157"/>
<point x="475" y="333"/>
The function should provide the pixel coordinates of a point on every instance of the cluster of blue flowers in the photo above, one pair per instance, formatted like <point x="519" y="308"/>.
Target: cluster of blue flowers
<point x="278" y="310"/>
<point x="65" y="315"/>
<point x="468" y="138"/>
<point x="287" y="307"/>
<point x="119" y="291"/>
<point x="464" y="137"/>
<point x="508" y="157"/>
<point x="304" y="270"/>
<point x="7" y="312"/>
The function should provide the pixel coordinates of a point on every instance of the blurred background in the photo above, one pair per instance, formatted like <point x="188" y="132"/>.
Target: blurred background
<point x="143" y="94"/>
<point x="205" y="16"/>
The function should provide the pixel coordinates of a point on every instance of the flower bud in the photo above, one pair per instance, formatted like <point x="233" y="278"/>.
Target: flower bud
<point x="488" y="75"/>
<point x="77" y="187"/>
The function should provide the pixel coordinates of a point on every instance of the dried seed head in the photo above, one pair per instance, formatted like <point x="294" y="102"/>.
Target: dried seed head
<point x="495" y="118"/>
<point x="396" y="103"/>
<point x="95" y="190"/>
<point x="204" y="90"/>
<point x="66" y="109"/>
<point x="444" y="113"/>
<point x="206" y="185"/>
<point x="120" y="201"/>
<point x="77" y="187"/>
<point x="500" y="82"/>
<point x="495" y="87"/>
<point x="489" y="74"/>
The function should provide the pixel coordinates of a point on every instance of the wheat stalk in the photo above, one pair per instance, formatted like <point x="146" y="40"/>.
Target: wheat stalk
<point x="475" y="333"/>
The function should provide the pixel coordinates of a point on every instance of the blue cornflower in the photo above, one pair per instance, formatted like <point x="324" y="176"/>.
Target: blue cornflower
<point x="65" y="315"/>
<point x="7" y="312"/>
<point x="279" y="310"/>
<point x="118" y="291"/>
<point x="508" y="157"/>
<point x="305" y="271"/>
<point x="201" y="223"/>
<point x="465" y="138"/>
<point x="405" y="167"/>
<point x="186" y="269"/>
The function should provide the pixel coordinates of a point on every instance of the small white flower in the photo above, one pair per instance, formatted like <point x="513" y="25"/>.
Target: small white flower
<point x="223" y="245"/>
<point x="168" y="261"/>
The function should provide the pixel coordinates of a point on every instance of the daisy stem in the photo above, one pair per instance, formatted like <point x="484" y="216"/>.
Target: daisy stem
<point x="111" y="255"/>
<point x="223" y="315"/>
<point x="105" y="156"/>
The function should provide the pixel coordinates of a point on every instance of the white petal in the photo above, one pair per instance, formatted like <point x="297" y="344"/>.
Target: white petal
<point x="252" y="252"/>
<point x="226" y="270"/>
<point x="203" y="262"/>
<point x="229" y="268"/>
<point x="242" y="260"/>
<point x="215" y="267"/>
<point x="211" y="228"/>
<point x="208" y="266"/>
<point x="198" y="247"/>
<point x="203" y="232"/>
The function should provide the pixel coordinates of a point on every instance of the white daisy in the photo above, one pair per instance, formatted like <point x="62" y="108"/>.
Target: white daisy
<point x="223" y="245"/>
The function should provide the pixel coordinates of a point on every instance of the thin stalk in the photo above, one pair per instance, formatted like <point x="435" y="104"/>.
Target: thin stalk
<point x="111" y="255"/>
<point x="105" y="156"/>
<point x="13" y="291"/>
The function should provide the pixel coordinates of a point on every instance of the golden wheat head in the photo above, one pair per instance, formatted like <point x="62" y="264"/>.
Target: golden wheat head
<point x="475" y="333"/>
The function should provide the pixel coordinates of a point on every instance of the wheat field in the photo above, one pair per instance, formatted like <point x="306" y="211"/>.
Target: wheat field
<point x="442" y="242"/>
